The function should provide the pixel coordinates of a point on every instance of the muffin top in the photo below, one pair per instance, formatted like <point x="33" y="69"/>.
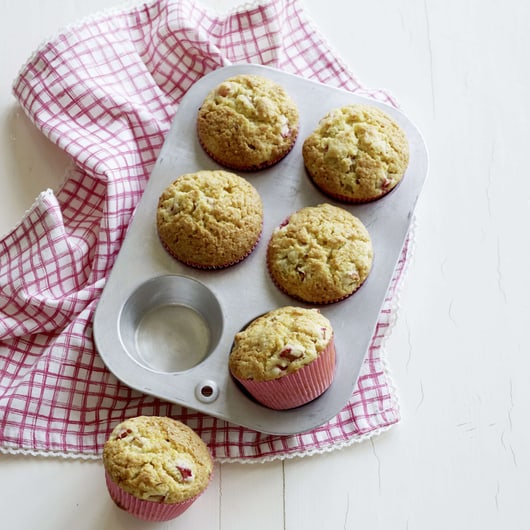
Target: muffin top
<point x="321" y="254"/>
<point x="279" y="343"/>
<point x="357" y="153"/>
<point x="157" y="459"/>
<point x="210" y="219"/>
<point x="247" y="122"/>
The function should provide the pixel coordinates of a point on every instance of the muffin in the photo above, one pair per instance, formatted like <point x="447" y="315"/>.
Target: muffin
<point x="247" y="122"/>
<point x="357" y="153"/>
<point x="285" y="358"/>
<point x="210" y="219"/>
<point x="320" y="254"/>
<point x="155" y="467"/>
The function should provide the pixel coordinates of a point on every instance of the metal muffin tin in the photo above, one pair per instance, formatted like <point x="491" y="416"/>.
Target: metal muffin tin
<point x="166" y="329"/>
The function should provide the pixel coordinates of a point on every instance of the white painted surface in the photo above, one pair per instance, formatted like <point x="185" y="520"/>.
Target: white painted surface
<point x="459" y="351"/>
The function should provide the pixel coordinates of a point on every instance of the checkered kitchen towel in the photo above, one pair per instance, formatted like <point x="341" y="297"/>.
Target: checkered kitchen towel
<point x="105" y="92"/>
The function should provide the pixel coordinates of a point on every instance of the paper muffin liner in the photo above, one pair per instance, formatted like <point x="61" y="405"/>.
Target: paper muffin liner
<point x="297" y="388"/>
<point x="144" y="509"/>
<point x="214" y="267"/>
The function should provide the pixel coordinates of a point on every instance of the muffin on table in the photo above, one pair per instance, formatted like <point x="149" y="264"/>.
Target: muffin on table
<point x="285" y="358"/>
<point x="248" y="122"/>
<point x="210" y="219"/>
<point x="356" y="154"/>
<point x="320" y="254"/>
<point x="155" y="467"/>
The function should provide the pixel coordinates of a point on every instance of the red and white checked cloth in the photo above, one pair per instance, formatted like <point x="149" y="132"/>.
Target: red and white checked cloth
<point x="105" y="92"/>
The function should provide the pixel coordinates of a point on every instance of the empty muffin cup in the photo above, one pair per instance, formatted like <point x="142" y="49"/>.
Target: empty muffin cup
<point x="170" y="323"/>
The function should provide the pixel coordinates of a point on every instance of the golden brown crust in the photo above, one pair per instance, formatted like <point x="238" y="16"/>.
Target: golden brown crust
<point x="248" y="122"/>
<point x="210" y="219"/>
<point x="279" y="343"/>
<point x="158" y="459"/>
<point x="322" y="254"/>
<point x="357" y="153"/>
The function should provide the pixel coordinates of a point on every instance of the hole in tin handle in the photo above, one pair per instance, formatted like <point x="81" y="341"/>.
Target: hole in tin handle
<point x="207" y="391"/>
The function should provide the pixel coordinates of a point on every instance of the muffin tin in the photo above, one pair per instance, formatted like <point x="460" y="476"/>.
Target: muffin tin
<point x="166" y="329"/>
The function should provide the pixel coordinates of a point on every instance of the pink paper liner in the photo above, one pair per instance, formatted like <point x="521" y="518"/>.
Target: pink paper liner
<point x="144" y="509"/>
<point x="298" y="388"/>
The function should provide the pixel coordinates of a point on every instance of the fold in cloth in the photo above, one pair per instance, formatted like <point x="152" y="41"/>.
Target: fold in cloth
<point x="105" y="91"/>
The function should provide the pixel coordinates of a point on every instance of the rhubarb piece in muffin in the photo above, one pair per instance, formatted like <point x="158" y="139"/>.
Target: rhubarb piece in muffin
<point x="320" y="254"/>
<point x="155" y="467"/>
<point x="285" y="358"/>
<point x="357" y="153"/>
<point x="248" y="122"/>
<point x="210" y="219"/>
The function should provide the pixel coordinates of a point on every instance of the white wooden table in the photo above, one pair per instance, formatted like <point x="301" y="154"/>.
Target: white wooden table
<point x="459" y="351"/>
